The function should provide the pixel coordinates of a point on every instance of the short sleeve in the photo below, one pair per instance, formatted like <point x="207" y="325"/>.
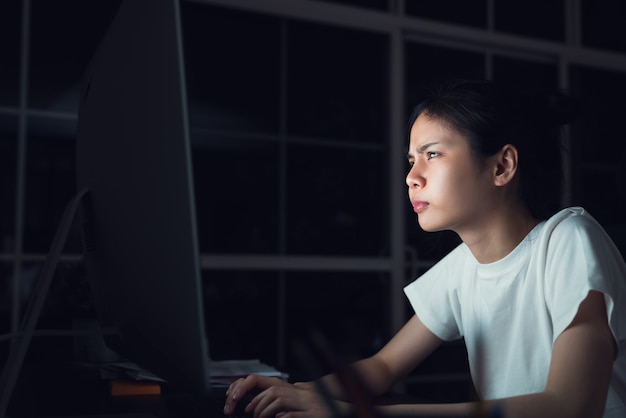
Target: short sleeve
<point x="435" y="299"/>
<point x="581" y="257"/>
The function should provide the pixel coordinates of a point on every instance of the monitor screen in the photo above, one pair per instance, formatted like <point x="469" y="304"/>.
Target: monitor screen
<point x="133" y="155"/>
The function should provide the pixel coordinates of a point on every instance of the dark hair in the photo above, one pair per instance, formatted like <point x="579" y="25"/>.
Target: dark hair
<point x="492" y="115"/>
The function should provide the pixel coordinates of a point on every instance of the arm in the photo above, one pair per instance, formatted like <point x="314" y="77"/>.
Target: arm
<point x="577" y="385"/>
<point x="378" y="373"/>
<point x="578" y="378"/>
<point x="408" y="348"/>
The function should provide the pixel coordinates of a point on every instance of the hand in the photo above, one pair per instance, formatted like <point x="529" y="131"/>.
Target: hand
<point x="276" y="398"/>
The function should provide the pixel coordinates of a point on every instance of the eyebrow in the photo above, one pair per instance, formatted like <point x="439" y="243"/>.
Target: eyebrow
<point x="423" y="148"/>
<point x="426" y="146"/>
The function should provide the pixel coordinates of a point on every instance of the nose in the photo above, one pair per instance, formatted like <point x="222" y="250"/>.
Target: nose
<point x="414" y="178"/>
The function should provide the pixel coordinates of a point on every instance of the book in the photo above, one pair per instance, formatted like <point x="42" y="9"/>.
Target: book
<point x="135" y="388"/>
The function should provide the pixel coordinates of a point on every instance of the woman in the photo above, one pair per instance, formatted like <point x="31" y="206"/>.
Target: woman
<point x="538" y="294"/>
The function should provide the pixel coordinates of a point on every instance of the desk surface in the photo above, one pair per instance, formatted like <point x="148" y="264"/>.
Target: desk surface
<point x="65" y="390"/>
<point x="76" y="390"/>
<point x="68" y="389"/>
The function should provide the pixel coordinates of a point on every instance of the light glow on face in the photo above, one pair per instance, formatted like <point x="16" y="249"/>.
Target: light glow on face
<point x="447" y="187"/>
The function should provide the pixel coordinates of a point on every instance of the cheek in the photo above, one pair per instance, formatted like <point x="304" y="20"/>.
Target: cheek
<point x="460" y="183"/>
<point x="451" y="179"/>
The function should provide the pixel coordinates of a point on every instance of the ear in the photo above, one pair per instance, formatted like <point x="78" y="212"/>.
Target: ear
<point x="505" y="165"/>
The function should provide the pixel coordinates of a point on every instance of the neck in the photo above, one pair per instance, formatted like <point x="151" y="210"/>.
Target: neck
<point x="498" y="234"/>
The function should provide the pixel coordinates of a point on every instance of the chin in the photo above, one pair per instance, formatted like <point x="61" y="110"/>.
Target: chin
<point x="426" y="227"/>
<point x="431" y="225"/>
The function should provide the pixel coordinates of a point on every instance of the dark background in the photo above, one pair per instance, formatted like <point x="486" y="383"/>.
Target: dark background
<point x="291" y="131"/>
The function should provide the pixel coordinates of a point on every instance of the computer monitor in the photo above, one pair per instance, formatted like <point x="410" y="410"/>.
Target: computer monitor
<point x="133" y="157"/>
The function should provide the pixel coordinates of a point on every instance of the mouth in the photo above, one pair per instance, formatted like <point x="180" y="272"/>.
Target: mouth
<point x="419" y="206"/>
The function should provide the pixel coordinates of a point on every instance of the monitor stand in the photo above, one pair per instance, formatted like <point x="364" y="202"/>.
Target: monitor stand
<point x="21" y="340"/>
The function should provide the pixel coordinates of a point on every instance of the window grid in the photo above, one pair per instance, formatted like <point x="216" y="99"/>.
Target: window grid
<point x="401" y="29"/>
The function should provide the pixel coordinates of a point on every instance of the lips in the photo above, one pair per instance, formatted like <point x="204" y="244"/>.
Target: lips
<point x="419" y="206"/>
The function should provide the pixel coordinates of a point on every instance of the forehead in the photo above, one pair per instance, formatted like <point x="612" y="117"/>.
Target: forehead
<point x="427" y="130"/>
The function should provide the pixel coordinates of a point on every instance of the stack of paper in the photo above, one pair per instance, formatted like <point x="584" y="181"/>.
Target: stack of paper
<point x="225" y="372"/>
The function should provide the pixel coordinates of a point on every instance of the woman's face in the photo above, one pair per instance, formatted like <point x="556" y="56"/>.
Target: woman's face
<point x="448" y="188"/>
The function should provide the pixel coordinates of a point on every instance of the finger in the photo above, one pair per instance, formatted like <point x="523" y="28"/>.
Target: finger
<point x="245" y="385"/>
<point x="260" y="402"/>
<point x="232" y="386"/>
<point x="235" y="392"/>
<point x="242" y="386"/>
<point x="228" y="402"/>
<point x="273" y="401"/>
<point x="274" y="407"/>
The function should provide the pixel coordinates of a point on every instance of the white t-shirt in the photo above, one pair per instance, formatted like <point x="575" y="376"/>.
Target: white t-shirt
<point x="510" y="312"/>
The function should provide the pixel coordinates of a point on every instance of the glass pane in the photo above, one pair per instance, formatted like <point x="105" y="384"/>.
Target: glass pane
<point x="600" y="21"/>
<point x="69" y="296"/>
<point x="241" y="310"/>
<point x="371" y="4"/>
<point x="523" y="73"/>
<point x="599" y="151"/>
<point x="337" y="83"/>
<point x="50" y="182"/>
<point x="8" y="159"/>
<point x="64" y="37"/>
<point x="10" y="36"/>
<point x="336" y="201"/>
<point x="233" y="68"/>
<point x="349" y="310"/>
<point x="534" y="18"/>
<point x="426" y="62"/>
<point x="65" y="301"/>
<point x="464" y="12"/>
<point x="236" y="188"/>
<point x="6" y="276"/>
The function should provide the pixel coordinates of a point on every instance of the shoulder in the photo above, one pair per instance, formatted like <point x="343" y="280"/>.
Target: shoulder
<point x="574" y="223"/>
<point x="574" y="250"/>
<point x="570" y="217"/>
<point x="443" y="273"/>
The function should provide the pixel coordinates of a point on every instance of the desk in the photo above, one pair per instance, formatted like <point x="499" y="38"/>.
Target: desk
<point x="69" y="389"/>
<point x="66" y="389"/>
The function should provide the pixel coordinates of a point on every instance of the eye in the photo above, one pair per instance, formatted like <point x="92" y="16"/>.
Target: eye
<point x="431" y="154"/>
